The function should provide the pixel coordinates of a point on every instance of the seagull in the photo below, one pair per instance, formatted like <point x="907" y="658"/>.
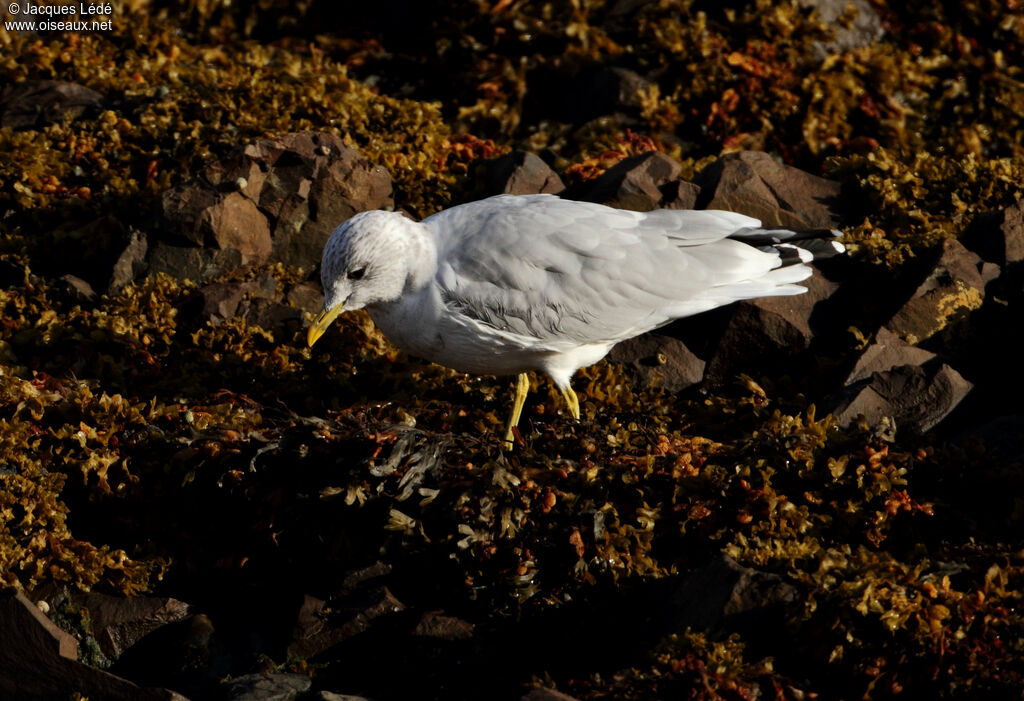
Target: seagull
<point x="515" y="283"/>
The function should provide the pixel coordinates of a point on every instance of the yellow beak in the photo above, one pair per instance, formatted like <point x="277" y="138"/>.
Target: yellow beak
<point x="321" y="322"/>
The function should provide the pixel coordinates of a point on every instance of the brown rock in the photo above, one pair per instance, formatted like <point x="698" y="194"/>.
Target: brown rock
<point x="955" y="285"/>
<point x="75" y="290"/>
<point x="266" y="687"/>
<point x="222" y="221"/>
<point x="269" y="314"/>
<point x="656" y="360"/>
<point x="306" y="296"/>
<point x="753" y="183"/>
<point x="916" y="397"/>
<point x="352" y="614"/>
<point x="39" y="660"/>
<point x="130" y="264"/>
<point x="185" y="653"/>
<point x="633" y="182"/>
<point x="277" y="200"/>
<point x="679" y="194"/>
<point x="32" y="104"/>
<point x="765" y="328"/>
<point x="998" y="237"/>
<point x="192" y="263"/>
<point x="235" y="222"/>
<point x="118" y="623"/>
<point x="888" y="352"/>
<point x="725" y="594"/>
<point x="519" y="173"/>
<point x="435" y="624"/>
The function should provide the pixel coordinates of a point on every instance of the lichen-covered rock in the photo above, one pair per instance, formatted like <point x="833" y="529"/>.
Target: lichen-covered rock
<point x="955" y="285"/>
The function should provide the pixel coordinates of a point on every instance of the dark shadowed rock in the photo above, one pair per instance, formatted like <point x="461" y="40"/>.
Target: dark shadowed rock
<point x="220" y="301"/>
<point x="35" y="103"/>
<point x="888" y="351"/>
<point x="633" y="183"/>
<point x="11" y="274"/>
<point x="864" y="29"/>
<point x="679" y="194"/>
<point x="332" y="696"/>
<point x="916" y="397"/>
<point x="953" y="287"/>
<point x="192" y="263"/>
<point x="753" y="183"/>
<point x="75" y="291"/>
<point x="306" y="296"/>
<point x="998" y="237"/>
<point x="542" y="694"/>
<point x="656" y="360"/>
<point x="118" y="623"/>
<point x="434" y="624"/>
<point x="186" y="654"/>
<point x="269" y="314"/>
<point x="130" y="263"/>
<point x="97" y="244"/>
<point x="266" y="687"/>
<point x="277" y="200"/>
<point x="519" y="173"/>
<point x="578" y="96"/>
<point x="38" y="660"/>
<point x="1001" y="438"/>
<point x="765" y="328"/>
<point x="724" y="594"/>
<point x="352" y="614"/>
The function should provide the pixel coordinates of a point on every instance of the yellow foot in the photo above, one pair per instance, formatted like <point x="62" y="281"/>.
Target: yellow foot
<point x="572" y="401"/>
<point x="522" y="389"/>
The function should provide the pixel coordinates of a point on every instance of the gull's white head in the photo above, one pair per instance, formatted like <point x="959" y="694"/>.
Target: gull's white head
<point x="368" y="260"/>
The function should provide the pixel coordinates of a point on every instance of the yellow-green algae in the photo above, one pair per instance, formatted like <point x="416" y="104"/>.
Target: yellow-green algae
<point x="206" y="451"/>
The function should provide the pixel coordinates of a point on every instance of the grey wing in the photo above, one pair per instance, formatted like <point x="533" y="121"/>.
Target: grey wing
<point x="558" y="273"/>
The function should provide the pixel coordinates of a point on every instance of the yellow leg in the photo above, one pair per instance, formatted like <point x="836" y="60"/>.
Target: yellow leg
<point x="522" y="389"/>
<point x="572" y="401"/>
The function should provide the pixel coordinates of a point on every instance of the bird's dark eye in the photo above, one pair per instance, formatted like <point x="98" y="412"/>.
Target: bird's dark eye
<point x="356" y="274"/>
